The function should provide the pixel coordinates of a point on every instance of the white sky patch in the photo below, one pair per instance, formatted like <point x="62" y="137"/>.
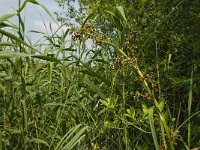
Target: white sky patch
<point x="49" y="27"/>
<point x="33" y="14"/>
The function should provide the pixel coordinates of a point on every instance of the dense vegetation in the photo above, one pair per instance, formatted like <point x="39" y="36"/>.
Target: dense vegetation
<point x="128" y="78"/>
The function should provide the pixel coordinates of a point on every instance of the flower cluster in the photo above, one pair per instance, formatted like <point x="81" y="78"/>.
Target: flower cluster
<point x="89" y="32"/>
<point x="120" y="61"/>
<point x="152" y="84"/>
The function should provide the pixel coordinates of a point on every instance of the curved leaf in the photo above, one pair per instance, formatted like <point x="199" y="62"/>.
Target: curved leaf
<point x="6" y="17"/>
<point x="10" y="54"/>
<point x="16" y="39"/>
<point x="48" y="58"/>
<point x="39" y="141"/>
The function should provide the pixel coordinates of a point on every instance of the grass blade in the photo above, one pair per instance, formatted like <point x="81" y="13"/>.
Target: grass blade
<point x="75" y="139"/>
<point x="151" y="121"/>
<point x="6" y="17"/>
<point x="67" y="136"/>
<point x="95" y="88"/>
<point x="189" y="108"/>
<point x="1" y="146"/>
<point x="167" y="130"/>
<point x="48" y="58"/>
<point x="10" y="54"/>
<point x="120" y="12"/>
<point x="39" y="141"/>
<point x="17" y="39"/>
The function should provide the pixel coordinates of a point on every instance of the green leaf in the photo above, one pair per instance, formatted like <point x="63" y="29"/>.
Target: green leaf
<point x="105" y="102"/>
<point x="77" y="138"/>
<point x="119" y="50"/>
<point x="144" y="108"/>
<point x="164" y="123"/>
<point x="95" y="88"/>
<point x="16" y="39"/>
<point x="4" y="24"/>
<point x="120" y="12"/>
<point x="44" y="7"/>
<point x="48" y="58"/>
<point x="189" y="107"/>
<point x="37" y="3"/>
<point x="1" y="137"/>
<point x="153" y="131"/>
<point x="69" y="49"/>
<point x="131" y="112"/>
<point x="6" y="17"/>
<point x="67" y="136"/>
<point x="161" y="106"/>
<point x="34" y="31"/>
<point x="90" y="72"/>
<point x="66" y="143"/>
<point x="39" y="141"/>
<point x="6" y="44"/>
<point x="10" y="54"/>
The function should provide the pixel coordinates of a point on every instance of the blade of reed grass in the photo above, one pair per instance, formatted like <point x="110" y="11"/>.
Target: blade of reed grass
<point x="39" y="141"/>
<point x="164" y="123"/>
<point x="6" y="44"/>
<point x="10" y="54"/>
<point x="25" y="116"/>
<point x="75" y="139"/>
<point x="153" y="132"/>
<point x="67" y="136"/>
<point x="6" y="17"/>
<point x="189" y="108"/>
<point x="163" y="135"/>
<point x="48" y="58"/>
<point x="90" y="72"/>
<point x="95" y="88"/>
<point x="9" y="35"/>
<point x="1" y="146"/>
<point x="36" y="3"/>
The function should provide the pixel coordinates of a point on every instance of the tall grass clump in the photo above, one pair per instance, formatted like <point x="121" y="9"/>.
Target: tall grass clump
<point x="38" y="92"/>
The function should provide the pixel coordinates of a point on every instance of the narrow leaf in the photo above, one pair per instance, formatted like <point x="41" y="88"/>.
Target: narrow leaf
<point x="10" y="54"/>
<point x="39" y="141"/>
<point x="6" y="44"/>
<point x="167" y="130"/>
<point x="75" y="139"/>
<point x="189" y="108"/>
<point x="67" y="136"/>
<point x="151" y="121"/>
<point x="48" y="58"/>
<point x="120" y="12"/>
<point x="95" y="88"/>
<point x="6" y="17"/>
<point x="16" y="39"/>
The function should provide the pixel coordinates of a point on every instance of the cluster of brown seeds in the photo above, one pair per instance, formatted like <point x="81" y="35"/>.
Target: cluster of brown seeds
<point x="130" y="45"/>
<point x="89" y="32"/>
<point x="153" y="85"/>
<point x="119" y="61"/>
<point x="129" y="42"/>
<point x="175" y="135"/>
<point x="146" y="95"/>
